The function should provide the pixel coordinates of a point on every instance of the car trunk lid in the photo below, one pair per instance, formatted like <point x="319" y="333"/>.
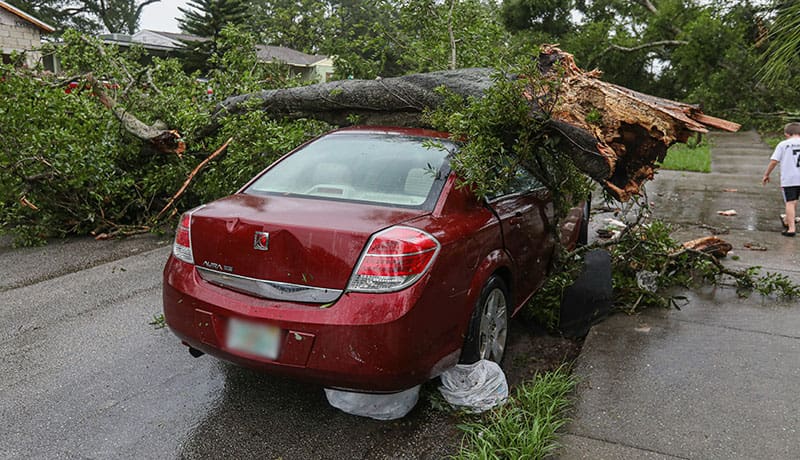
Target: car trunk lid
<point x="287" y="241"/>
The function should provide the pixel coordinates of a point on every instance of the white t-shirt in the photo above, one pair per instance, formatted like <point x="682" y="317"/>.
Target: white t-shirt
<point x="788" y="154"/>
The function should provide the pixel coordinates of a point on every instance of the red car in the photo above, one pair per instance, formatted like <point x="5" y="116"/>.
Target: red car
<point x="357" y="262"/>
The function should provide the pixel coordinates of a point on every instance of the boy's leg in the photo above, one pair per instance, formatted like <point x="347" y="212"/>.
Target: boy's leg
<point x="790" y="197"/>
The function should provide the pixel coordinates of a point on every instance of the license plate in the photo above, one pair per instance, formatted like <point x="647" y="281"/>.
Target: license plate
<point x="255" y="339"/>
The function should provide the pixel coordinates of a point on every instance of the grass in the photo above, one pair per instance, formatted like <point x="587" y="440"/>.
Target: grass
<point x="692" y="156"/>
<point x="526" y="426"/>
<point x="772" y="139"/>
<point x="158" y="321"/>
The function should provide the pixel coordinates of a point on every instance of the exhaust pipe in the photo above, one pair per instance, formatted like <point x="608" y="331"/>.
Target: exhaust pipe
<point x="195" y="352"/>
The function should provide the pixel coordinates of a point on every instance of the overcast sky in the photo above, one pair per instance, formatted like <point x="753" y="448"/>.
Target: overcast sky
<point x="162" y="16"/>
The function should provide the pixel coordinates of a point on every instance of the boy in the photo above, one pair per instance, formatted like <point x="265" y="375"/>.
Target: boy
<point x="787" y="153"/>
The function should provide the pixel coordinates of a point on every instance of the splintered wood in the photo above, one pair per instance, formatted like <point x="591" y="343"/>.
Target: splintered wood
<point x="632" y="130"/>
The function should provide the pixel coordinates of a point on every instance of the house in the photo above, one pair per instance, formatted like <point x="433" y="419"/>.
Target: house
<point x="20" y="32"/>
<point x="312" y="68"/>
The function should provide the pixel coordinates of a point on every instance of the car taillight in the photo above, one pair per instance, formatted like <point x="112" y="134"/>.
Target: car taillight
<point x="182" y="247"/>
<point x="395" y="258"/>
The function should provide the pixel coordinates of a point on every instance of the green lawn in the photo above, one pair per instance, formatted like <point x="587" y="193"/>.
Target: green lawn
<point x="689" y="157"/>
<point x="772" y="139"/>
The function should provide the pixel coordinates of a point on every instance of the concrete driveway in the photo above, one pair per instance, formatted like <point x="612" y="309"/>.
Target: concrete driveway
<point x="719" y="378"/>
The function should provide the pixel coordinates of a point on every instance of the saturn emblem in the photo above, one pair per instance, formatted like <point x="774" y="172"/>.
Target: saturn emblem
<point x="261" y="241"/>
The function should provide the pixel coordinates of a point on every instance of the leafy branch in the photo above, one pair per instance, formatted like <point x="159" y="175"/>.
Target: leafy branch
<point x="646" y="264"/>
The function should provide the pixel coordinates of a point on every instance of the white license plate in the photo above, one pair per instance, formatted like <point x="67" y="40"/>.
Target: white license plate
<point x="255" y="339"/>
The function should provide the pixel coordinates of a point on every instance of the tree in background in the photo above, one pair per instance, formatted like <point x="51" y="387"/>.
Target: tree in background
<point x="631" y="41"/>
<point x="438" y="35"/>
<point x="363" y="39"/>
<point x="784" y="43"/>
<point x="707" y="53"/>
<point x="551" y="19"/>
<point x="206" y="19"/>
<point x="303" y="25"/>
<point x="386" y="37"/>
<point x="118" y="16"/>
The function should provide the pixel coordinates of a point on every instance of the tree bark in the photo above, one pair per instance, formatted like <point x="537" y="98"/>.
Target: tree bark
<point x="613" y="134"/>
<point x="399" y="101"/>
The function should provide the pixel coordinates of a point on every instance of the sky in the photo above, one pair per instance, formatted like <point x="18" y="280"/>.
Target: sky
<point x="162" y="16"/>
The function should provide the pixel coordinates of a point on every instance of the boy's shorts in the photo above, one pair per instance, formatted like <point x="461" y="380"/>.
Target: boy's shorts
<point x="791" y="193"/>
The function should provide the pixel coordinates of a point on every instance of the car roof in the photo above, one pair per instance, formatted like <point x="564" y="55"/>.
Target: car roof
<point x="416" y="132"/>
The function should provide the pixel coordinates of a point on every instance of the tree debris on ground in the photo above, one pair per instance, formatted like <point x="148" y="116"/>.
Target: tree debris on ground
<point x="713" y="245"/>
<point x="754" y="247"/>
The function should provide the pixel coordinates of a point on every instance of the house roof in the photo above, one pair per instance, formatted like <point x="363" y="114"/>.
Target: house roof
<point x="152" y="39"/>
<point x="179" y="37"/>
<point x="268" y="53"/>
<point x="18" y="12"/>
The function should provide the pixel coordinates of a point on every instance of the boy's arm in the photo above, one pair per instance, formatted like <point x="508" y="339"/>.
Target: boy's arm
<point x="770" y="167"/>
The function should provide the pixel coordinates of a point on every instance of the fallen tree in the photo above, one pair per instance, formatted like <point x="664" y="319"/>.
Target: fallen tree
<point x="74" y="169"/>
<point x="612" y="134"/>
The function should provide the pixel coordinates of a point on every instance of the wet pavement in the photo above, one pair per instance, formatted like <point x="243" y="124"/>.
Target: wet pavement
<point x="717" y="379"/>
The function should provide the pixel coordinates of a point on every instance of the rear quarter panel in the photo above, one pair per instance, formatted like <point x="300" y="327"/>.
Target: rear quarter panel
<point x="472" y="250"/>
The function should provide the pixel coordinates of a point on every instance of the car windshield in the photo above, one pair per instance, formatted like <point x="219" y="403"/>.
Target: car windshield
<point x="383" y="168"/>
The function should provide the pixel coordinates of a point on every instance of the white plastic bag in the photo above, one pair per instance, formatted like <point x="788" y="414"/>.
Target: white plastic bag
<point x="378" y="406"/>
<point x="476" y="387"/>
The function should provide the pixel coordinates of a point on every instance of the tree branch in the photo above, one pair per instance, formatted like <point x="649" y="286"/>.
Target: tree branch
<point x="648" y="6"/>
<point x="631" y="49"/>
<point x="191" y="177"/>
<point x="163" y="140"/>
<point x="452" y="35"/>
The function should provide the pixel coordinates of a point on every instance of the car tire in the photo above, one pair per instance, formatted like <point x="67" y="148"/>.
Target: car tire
<point x="488" y="329"/>
<point x="583" y="232"/>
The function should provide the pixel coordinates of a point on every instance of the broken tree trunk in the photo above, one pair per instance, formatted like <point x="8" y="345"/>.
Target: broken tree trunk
<point x="619" y="150"/>
<point x="634" y="130"/>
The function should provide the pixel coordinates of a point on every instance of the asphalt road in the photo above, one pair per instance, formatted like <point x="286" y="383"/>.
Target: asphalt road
<point x="83" y="375"/>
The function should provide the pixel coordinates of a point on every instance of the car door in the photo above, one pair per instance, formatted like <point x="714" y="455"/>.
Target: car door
<point x="525" y="213"/>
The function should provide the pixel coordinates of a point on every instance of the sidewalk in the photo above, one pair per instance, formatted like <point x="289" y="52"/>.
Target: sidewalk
<point x="719" y="379"/>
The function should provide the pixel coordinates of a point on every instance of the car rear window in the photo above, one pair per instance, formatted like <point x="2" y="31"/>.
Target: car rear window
<point x="383" y="168"/>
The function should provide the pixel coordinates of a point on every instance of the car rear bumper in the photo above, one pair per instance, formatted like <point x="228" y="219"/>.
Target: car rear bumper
<point x="367" y="342"/>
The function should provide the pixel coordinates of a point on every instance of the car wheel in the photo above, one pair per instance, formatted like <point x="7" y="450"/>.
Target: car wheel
<point x="488" y="328"/>
<point x="583" y="232"/>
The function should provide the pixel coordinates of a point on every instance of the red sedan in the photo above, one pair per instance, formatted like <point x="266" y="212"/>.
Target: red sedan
<point x="357" y="262"/>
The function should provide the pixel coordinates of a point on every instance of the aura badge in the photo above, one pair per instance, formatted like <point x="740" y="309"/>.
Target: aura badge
<point x="261" y="241"/>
